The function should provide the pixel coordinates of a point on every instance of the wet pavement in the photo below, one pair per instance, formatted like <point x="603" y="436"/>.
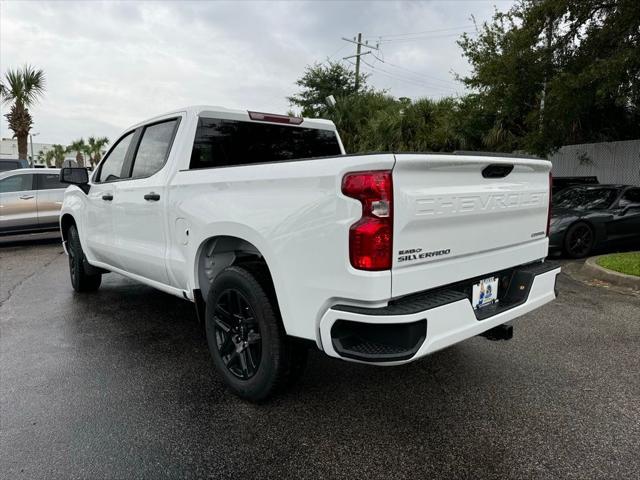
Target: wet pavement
<point x="118" y="384"/>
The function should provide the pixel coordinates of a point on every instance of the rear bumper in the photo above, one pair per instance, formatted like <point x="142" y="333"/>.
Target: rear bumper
<point x="415" y="326"/>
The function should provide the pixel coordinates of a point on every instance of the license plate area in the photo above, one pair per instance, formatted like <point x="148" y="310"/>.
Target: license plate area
<point x="485" y="293"/>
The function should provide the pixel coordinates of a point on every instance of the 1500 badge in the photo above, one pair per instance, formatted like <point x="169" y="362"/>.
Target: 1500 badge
<point x="417" y="254"/>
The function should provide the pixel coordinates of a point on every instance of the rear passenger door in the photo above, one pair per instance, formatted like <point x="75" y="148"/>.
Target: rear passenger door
<point x="49" y="196"/>
<point x="140" y="204"/>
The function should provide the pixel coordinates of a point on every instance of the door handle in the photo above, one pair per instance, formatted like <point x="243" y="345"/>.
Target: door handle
<point x="26" y="197"/>
<point x="152" y="196"/>
<point x="107" y="196"/>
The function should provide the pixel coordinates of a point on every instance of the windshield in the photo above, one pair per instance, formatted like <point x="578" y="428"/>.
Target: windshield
<point x="580" y="198"/>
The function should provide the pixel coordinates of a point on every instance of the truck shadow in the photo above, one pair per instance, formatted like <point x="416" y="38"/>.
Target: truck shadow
<point x="157" y="338"/>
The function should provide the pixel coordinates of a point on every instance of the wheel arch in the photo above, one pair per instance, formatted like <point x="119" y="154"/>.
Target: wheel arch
<point x="66" y="221"/>
<point x="216" y="253"/>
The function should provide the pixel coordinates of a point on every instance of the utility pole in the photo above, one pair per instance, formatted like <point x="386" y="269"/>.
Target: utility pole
<point x="359" y="54"/>
<point x="358" y="60"/>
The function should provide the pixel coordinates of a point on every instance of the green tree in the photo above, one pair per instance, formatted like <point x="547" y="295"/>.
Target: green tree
<point x="41" y="157"/>
<point x="79" y="147"/>
<point x="554" y="72"/>
<point x="356" y="118"/>
<point x="48" y="158"/>
<point x="321" y="80"/>
<point x="376" y="121"/>
<point x="55" y="155"/>
<point x="21" y="89"/>
<point x="94" y="149"/>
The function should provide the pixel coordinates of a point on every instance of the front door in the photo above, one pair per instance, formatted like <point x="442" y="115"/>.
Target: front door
<point x="99" y="241"/>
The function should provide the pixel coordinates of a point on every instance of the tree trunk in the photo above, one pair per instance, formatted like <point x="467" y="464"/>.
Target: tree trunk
<point x="22" y="147"/>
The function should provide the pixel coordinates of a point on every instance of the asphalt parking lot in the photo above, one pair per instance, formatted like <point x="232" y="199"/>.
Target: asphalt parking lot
<point x="118" y="384"/>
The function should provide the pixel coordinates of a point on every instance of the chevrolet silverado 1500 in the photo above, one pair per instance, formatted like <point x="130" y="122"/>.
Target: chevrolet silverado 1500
<point x="280" y="238"/>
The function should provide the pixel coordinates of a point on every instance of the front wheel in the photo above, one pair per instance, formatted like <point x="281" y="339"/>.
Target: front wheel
<point x="81" y="280"/>
<point x="247" y="341"/>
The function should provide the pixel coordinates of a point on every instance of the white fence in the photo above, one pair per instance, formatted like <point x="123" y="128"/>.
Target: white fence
<point x="611" y="162"/>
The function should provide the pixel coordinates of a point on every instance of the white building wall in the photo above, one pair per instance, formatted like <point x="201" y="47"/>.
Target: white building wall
<point x="611" y="162"/>
<point x="9" y="148"/>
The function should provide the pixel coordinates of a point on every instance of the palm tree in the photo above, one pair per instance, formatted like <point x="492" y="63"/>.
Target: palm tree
<point x="41" y="157"/>
<point x="88" y="155"/>
<point x="95" y="147"/>
<point x="21" y="88"/>
<point x="56" y="153"/>
<point x="79" y="147"/>
<point x="48" y="158"/>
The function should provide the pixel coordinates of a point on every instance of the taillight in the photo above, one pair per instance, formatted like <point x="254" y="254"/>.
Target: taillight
<point x="549" y="209"/>
<point x="371" y="237"/>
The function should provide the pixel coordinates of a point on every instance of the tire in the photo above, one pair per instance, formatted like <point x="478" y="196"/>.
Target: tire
<point x="246" y="338"/>
<point x="81" y="281"/>
<point x="579" y="240"/>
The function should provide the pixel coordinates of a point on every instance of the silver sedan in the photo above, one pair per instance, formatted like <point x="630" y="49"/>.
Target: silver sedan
<point x="30" y="200"/>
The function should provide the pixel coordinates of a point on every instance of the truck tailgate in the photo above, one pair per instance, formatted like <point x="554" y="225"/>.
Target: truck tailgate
<point x="458" y="217"/>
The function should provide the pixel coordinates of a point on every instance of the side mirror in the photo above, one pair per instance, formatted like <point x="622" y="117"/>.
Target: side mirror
<point x="631" y="206"/>
<point x="74" y="176"/>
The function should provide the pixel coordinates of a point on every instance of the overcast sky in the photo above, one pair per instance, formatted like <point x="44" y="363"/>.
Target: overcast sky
<point x="112" y="64"/>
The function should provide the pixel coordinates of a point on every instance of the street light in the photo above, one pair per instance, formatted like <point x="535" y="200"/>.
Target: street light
<point x="31" y="140"/>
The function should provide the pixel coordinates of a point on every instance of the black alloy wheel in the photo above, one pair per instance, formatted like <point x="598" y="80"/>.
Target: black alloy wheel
<point x="579" y="240"/>
<point x="249" y="346"/>
<point x="237" y="334"/>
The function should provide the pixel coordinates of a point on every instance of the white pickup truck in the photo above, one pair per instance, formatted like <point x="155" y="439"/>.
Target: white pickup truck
<point x="280" y="238"/>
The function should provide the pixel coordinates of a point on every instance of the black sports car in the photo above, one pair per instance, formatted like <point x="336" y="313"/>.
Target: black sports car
<point x="588" y="216"/>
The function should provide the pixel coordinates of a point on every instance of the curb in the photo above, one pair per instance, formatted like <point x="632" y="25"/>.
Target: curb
<point x="600" y="273"/>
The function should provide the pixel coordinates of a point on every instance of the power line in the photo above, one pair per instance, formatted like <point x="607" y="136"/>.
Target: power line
<point x="423" y="75"/>
<point x="337" y="51"/>
<point x="469" y="25"/>
<point x="373" y="70"/>
<point x="397" y="76"/>
<point x="422" y="37"/>
<point x="413" y="77"/>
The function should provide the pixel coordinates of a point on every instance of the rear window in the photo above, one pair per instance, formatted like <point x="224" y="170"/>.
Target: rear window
<point x="221" y="143"/>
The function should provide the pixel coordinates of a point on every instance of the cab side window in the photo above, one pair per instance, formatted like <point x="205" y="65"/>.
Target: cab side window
<point x="16" y="183"/>
<point x="111" y="168"/>
<point x="629" y="197"/>
<point x="154" y="148"/>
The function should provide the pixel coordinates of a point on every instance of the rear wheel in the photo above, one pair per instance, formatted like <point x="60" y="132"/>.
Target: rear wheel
<point x="81" y="281"/>
<point x="247" y="341"/>
<point x="579" y="240"/>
